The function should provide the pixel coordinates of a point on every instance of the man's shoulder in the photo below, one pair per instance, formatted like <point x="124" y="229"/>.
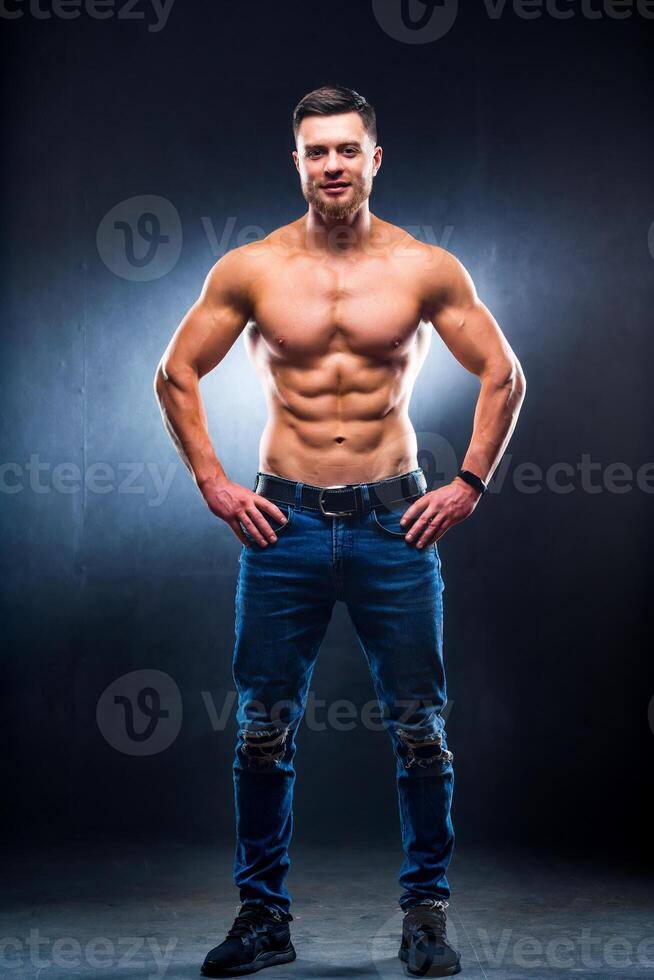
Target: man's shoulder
<point x="241" y="263"/>
<point x="282" y="242"/>
<point x="437" y="272"/>
<point x="439" y="265"/>
<point x="443" y="277"/>
<point x="234" y="276"/>
<point x="402" y="244"/>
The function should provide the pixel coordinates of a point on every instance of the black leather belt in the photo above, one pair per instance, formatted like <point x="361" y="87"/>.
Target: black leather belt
<point x="344" y="500"/>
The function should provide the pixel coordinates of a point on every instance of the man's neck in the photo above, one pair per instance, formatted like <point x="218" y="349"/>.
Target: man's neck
<point x="338" y="236"/>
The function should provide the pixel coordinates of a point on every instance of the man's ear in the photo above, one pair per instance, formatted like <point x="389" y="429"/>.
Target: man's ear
<point x="377" y="156"/>
<point x="296" y="160"/>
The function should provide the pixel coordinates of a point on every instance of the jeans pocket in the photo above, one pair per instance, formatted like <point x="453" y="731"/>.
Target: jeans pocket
<point x="388" y="521"/>
<point x="287" y="509"/>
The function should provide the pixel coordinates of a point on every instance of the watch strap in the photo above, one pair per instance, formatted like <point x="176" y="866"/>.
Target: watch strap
<point x="474" y="480"/>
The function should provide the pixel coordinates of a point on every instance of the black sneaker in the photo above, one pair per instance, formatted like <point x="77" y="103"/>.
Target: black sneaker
<point x="259" y="937"/>
<point x="425" y="948"/>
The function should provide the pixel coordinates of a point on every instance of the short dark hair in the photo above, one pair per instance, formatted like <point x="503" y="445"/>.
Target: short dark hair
<point x="330" y="100"/>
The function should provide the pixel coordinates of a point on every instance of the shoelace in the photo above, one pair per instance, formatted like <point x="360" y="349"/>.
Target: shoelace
<point x="431" y="917"/>
<point x="247" y="921"/>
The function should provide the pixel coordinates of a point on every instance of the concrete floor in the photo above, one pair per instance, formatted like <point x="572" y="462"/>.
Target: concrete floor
<point x="137" y="911"/>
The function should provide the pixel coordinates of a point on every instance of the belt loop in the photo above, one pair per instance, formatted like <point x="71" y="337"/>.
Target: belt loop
<point x="298" y="495"/>
<point x="365" y="497"/>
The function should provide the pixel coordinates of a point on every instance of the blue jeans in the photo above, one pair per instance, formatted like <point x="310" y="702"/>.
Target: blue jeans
<point x="284" y="600"/>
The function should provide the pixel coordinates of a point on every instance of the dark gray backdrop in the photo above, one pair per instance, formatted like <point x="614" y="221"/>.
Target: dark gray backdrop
<point x="522" y="145"/>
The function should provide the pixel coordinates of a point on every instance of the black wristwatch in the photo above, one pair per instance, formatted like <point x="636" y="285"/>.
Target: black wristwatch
<point x="474" y="480"/>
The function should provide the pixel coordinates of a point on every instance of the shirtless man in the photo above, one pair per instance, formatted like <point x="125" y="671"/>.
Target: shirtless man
<point x="338" y="308"/>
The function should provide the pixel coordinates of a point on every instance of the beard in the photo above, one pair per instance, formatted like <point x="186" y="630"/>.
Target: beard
<point x="337" y="210"/>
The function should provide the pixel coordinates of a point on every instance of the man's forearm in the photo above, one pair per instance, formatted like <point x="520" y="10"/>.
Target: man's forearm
<point x="496" y="414"/>
<point x="185" y="420"/>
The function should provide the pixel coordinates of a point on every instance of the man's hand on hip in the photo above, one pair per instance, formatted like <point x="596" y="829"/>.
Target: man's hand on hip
<point x="430" y="517"/>
<point x="234" y="503"/>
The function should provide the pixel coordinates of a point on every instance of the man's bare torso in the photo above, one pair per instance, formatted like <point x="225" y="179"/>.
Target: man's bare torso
<point x="338" y="341"/>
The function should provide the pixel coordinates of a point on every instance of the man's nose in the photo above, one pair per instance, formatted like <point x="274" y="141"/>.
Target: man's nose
<point x="333" y="164"/>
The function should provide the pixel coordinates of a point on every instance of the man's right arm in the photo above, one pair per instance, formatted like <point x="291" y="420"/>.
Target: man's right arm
<point x="203" y="338"/>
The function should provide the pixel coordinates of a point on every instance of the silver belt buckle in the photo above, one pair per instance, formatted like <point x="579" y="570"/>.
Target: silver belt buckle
<point x="334" y="513"/>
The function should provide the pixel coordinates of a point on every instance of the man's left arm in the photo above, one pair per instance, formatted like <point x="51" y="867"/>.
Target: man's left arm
<point x="473" y="336"/>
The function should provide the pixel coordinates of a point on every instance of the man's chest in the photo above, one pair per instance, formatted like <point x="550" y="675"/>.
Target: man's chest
<point x="369" y="307"/>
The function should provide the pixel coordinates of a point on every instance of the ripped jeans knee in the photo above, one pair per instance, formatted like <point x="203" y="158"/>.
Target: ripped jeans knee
<point x="421" y="750"/>
<point x="263" y="749"/>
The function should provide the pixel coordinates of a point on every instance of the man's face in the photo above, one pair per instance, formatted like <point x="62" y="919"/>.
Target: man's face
<point x="336" y="160"/>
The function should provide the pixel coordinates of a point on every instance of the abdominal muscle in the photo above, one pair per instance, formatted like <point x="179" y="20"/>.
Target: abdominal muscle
<point x="339" y="421"/>
<point x="289" y="452"/>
